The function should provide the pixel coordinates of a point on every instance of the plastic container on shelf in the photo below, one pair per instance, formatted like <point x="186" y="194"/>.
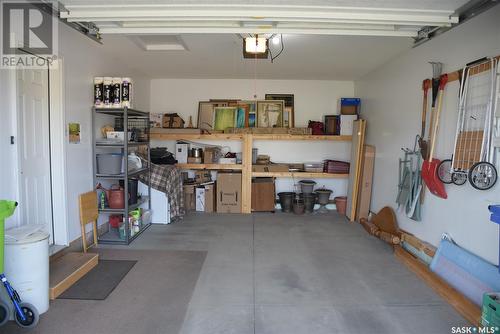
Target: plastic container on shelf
<point x="109" y="163"/>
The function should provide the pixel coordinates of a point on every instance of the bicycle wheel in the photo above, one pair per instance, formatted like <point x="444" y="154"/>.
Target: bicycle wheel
<point x="483" y="175"/>
<point x="459" y="179"/>
<point x="444" y="171"/>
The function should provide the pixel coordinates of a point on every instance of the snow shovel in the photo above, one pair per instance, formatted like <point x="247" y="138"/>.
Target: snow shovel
<point x="422" y="143"/>
<point x="429" y="167"/>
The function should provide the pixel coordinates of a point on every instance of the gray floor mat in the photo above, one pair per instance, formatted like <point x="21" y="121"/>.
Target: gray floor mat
<point x="98" y="283"/>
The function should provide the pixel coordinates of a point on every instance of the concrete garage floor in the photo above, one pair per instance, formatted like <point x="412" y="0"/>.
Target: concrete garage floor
<point x="263" y="273"/>
<point x="281" y="273"/>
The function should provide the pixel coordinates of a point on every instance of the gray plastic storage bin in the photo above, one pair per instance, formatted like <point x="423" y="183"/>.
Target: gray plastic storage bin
<point x="110" y="163"/>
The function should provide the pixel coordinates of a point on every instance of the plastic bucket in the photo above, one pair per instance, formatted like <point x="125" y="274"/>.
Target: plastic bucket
<point x="109" y="163"/>
<point x="341" y="204"/>
<point x="307" y="186"/>
<point x="286" y="199"/>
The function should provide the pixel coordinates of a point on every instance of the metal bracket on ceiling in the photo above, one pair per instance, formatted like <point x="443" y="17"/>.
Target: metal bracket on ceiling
<point x="464" y="13"/>
<point x="89" y="29"/>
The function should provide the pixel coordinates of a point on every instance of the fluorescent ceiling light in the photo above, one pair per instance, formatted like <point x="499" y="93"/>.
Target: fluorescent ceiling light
<point x="255" y="44"/>
<point x="257" y="19"/>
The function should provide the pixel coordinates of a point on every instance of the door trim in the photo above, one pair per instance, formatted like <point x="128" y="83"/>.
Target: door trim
<point x="57" y="151"/>
<point x="58" y="154"/>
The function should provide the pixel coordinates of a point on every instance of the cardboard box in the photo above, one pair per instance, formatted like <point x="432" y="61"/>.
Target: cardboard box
<point x="205" y="198"/>
<point x="349" y="110"/>
<point x="202" y="176"/>
<point x="365" y="189"/>
<point x="270" y="168"/>
<point x="229" y="192"/>
<point x="209" y="197"/>
<point x="181" y="153"/>
<point x="263" y="194"/>
<point x="189" y="197"/>
<point x="346" y="124"/>
<point x="350" y="105"/>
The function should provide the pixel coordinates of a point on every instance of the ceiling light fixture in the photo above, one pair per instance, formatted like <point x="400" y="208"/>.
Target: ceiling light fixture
<point x="255" y="44"/>
<point x="276" y="40"/>
<point x="255" y="47"/>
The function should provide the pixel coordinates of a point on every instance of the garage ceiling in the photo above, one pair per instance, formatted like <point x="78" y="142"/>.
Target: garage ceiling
<point x="220" y="56"/>
<point x="339" y="17"/>
<point x="325" y="39"/>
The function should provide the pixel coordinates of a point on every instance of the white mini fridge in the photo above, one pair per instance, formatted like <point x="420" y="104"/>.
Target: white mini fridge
<point x="160" y="206"/>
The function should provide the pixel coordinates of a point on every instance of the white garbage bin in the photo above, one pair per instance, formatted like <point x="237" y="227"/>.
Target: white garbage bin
<point x="27" y="264"/>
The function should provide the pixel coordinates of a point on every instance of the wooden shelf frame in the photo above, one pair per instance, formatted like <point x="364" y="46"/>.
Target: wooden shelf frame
<point x="246" y="149"/>
<point x="211" y="166"/>
<point x="194" y="136"/>
<point x="301" y="137"/>
<point x="300" y="175"/>
<point x="240" y="137"/>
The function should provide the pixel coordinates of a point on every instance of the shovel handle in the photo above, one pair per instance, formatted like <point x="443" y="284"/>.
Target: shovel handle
<point x="426" y="84"/>
<point x="442" y="83"/>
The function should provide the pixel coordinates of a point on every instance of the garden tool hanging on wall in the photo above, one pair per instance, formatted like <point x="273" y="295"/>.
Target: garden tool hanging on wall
<point x="413" y="208"/>
<point x="410" y="182"/>
<point x="430" y="165"/>
<point x="405" y="180"/>
<point x="422" y="143"/>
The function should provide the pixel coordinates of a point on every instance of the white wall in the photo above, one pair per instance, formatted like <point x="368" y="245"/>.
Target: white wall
<point x="313" y="100"/>
<point x="8" y="152"/>
<point x="82" y="60"/>
<point x="392" y="102"/>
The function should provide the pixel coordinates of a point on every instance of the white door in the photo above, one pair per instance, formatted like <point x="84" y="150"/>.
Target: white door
<point x="35" y="202"/>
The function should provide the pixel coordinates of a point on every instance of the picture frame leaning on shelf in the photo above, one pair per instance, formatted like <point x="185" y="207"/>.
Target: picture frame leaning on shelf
<point x="289" y="109"/>
<point x="270" y="113"/>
